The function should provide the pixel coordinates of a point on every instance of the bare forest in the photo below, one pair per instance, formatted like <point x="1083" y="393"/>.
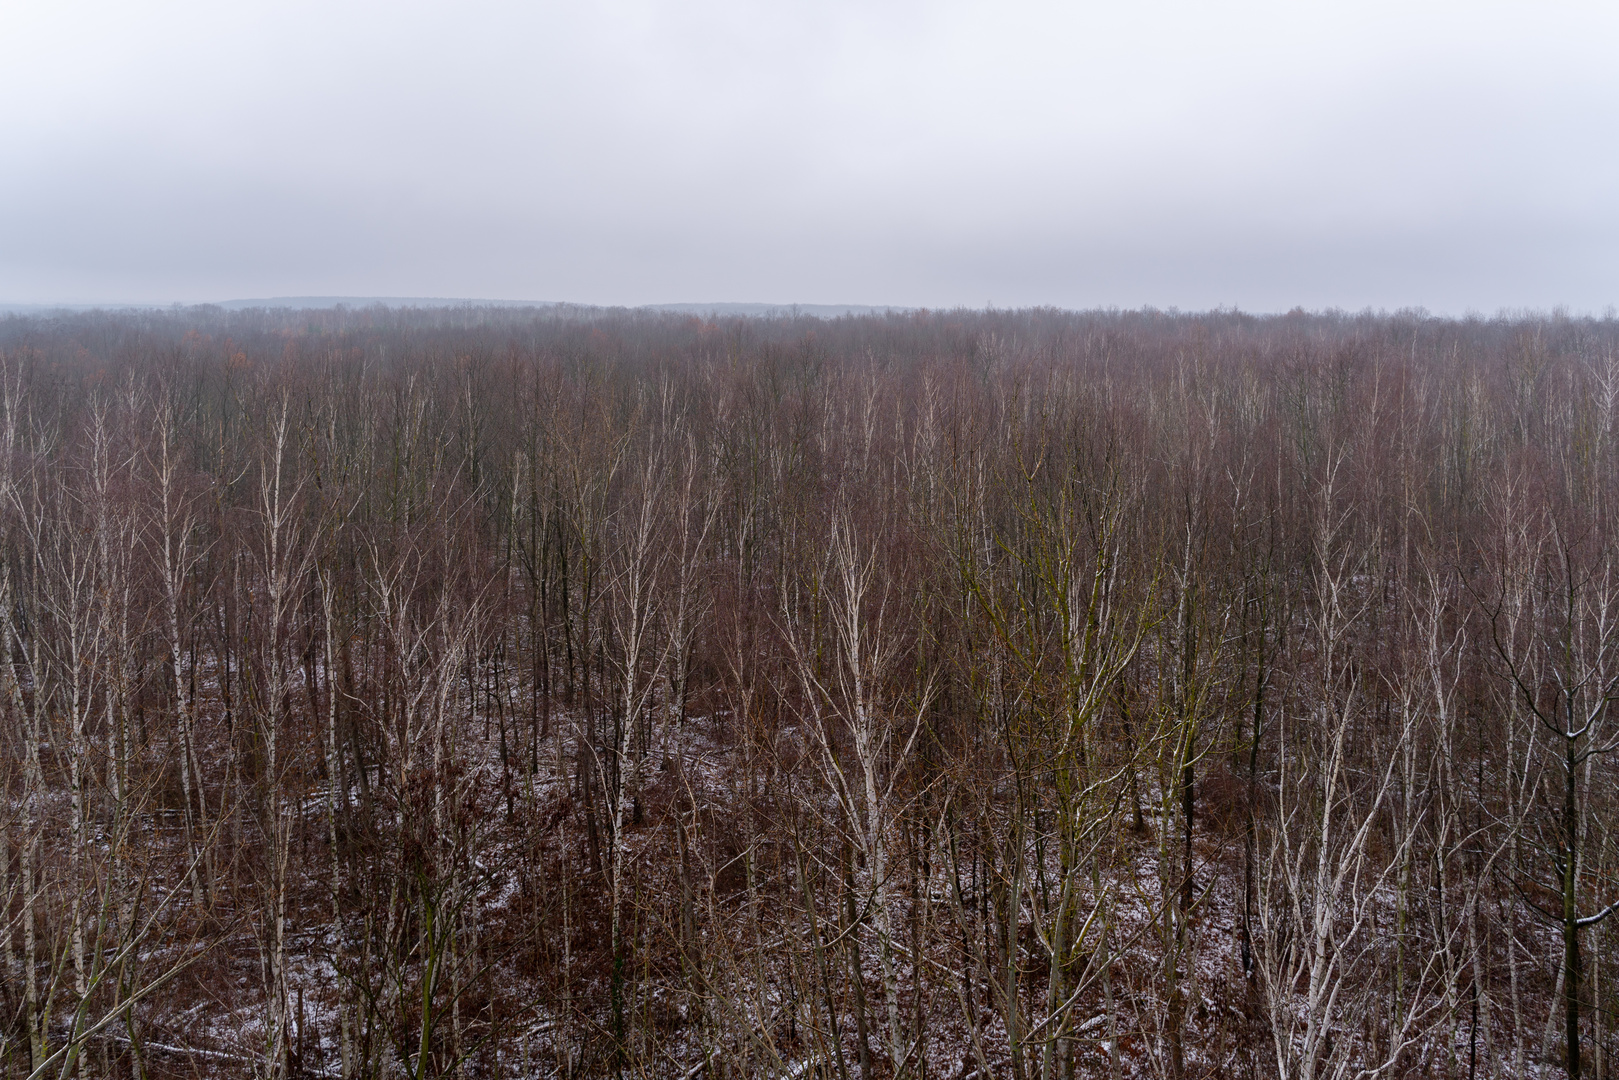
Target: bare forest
<point x="585" y="693"/>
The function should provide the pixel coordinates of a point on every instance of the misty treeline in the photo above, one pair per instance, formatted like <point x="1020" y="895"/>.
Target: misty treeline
<point x="1009" y="694"/>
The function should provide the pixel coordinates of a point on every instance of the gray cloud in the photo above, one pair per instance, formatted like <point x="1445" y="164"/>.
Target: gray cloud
<point x="1452" y="155"/>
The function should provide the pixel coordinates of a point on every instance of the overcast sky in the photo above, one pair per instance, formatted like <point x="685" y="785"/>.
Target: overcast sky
<point x="1458" y="156"/>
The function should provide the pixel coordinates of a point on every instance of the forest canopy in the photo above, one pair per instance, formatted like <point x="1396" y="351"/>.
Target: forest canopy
<point x="491" y="692"/>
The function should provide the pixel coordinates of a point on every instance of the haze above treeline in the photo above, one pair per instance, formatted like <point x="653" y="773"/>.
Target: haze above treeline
<point x="723" y="309"/>
<point x="322" y="303"/>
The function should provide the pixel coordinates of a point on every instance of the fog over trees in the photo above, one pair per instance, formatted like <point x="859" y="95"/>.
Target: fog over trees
<point x="584" y="693"/>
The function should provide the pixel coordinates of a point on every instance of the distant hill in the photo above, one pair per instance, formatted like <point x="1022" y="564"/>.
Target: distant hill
<point x="302" y="302"/>
<point x="776" y="311"/>
<point x="298" y="303"/>
<point x="821" y="311"/>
